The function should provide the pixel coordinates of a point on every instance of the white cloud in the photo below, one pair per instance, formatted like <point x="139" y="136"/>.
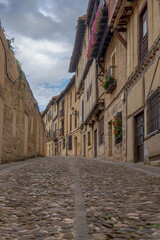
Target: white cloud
<point x="5" y="2"/>
<point x="44" y="61"/>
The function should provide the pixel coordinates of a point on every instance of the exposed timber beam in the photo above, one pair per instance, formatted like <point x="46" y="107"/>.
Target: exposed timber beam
<point x="120" y="37"/>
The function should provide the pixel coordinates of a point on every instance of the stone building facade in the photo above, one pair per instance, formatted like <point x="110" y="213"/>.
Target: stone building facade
<point x="140" y="21"/>
<point x="22" y="132"/>
<point x="69" y="143"/>
<point x="50" y="118"/>
<point x="87" y="88"/>
<point x="117" y="82"/>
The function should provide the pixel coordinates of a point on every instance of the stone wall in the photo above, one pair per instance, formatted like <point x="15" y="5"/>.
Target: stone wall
<point x="22" y="133"/>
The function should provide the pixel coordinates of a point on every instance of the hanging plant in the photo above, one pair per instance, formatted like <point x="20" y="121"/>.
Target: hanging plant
<point x="117" y="124"/>
<point x="94" y="34"/>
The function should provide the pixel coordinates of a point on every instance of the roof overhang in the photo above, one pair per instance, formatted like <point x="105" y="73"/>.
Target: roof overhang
<point x="77" y="44"/>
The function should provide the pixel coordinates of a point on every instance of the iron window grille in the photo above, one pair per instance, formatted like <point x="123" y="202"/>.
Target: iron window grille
<point x="143" y="31"/>
<point x="153" y="112"/>
<point x="70" y="142"/>
<point x="119" y="139"/>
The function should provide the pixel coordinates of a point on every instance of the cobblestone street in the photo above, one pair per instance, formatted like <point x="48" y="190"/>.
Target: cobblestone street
<point x="77" y="198"/>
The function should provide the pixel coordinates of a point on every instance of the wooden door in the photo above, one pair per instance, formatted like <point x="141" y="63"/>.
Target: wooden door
<point x="140" y="137"/>
<point x="95" y="143"/>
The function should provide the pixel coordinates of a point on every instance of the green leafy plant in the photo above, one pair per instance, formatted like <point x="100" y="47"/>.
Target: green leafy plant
<point x="10" y="41"/>
<point x="110" y="79"/>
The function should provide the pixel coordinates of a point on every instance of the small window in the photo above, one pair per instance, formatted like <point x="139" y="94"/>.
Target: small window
<point x="117" y="124"/>
<point x="101" y="131"/>
<point x="70" y="122"/>
<point x="153" y="112"/>
<point x="75" y="96"/>
<point x="89" y="138"/>
<point x="75" y="119"/>
<point x="87" y="95"/>
<point x="70" y="99"/>
<point x="82" y="110"/>
<point x="143" y="33"/>
<point x="90" y="89"/>
<point x="63" y="143"/>
<point x="70" y="143"/>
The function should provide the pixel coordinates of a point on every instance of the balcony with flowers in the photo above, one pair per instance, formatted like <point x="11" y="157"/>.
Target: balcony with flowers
<point x="97" y="32"/>
<point x="110" y="80"/>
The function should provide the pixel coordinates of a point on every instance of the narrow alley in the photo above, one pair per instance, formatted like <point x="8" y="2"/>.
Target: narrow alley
<point x="71" y="198"/>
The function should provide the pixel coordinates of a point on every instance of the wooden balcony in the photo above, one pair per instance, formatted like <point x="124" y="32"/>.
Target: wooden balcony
<point x="62" y="113"/>
<point x="61" y="131"/>
<point x="111" y="10"/>
<point x="119" y="12"/>
<point x="55" y="135"/>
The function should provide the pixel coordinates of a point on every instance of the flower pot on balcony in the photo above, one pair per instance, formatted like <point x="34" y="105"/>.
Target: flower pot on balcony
<point x="111" y="87"/>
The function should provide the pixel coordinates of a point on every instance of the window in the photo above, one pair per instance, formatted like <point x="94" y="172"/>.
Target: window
<point x="82" y="110"/>
<point x="118" y="127"/>
<point x="143" y="33"/>
<point x="90" y="89"/>
<point x="87" y="95"/>
<point x="63" y="143"/>
<point x="153" y="111"/>
<point x="75" y="119"/>
<point x="70" y="99"/>
<point x="89" y="138"/>
<point x="70" y="122"/>
<point x="101" y="131"/>
<point x="62" y="127"/>
<point x="75" y="96"/>
<point x="70" y="143"/>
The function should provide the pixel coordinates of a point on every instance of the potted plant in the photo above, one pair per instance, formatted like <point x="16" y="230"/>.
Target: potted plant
<point x="109" y="84"/>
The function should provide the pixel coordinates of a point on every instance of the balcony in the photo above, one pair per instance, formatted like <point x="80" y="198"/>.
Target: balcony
<point x="62" y="113"/>
<point x="111" y="77"/>
<point x="61" y="131"/>
<point x="119" y="13"/>
<point x="111" y="10"/>
<point x="55" y="135"/>
<point x="49" y="135"/>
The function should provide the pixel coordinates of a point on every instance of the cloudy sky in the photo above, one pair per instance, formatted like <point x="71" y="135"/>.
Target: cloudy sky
<point x="43" y="32"/>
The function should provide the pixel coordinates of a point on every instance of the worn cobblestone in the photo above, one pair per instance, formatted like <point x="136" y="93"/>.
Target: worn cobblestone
<point x="37" y="201"/>
<point x="121" y="203"/>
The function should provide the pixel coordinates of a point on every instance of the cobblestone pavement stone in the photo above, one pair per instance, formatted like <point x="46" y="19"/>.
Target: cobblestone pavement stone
<point x="121" y="203"/>
<point x="37" y="201"/>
